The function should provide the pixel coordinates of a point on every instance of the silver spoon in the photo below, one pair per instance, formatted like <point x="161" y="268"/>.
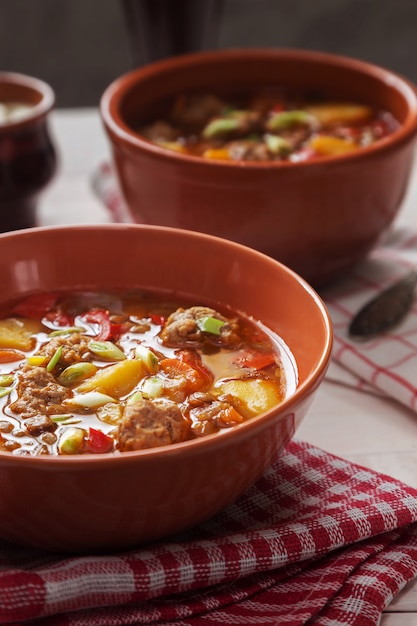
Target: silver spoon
<point x="386" y="310"/>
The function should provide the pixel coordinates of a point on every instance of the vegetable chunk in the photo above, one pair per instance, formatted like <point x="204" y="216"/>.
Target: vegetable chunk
<point x="340" y="113"/>
<point x="255" y="395"/>
<point x="18" y="334"/>
<point x="115" y="380"/>
<point x="329" y="146"/>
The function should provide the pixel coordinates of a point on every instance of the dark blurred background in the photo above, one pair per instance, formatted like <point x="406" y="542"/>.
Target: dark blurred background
<point x="80" y="46"/>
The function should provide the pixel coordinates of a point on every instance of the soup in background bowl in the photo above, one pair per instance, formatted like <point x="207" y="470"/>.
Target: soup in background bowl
<point x="100" y="501"/>
<point x="267" y="125"/>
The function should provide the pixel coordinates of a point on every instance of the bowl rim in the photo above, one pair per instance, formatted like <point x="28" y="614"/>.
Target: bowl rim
<point x="35" y="84"/>
<point x="116" y="128"/>
<point x="194" y="446"/>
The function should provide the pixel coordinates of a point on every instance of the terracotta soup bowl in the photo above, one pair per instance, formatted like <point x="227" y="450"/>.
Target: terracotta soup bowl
<point x="91" y="502"/>
<point x="318" y="216"/>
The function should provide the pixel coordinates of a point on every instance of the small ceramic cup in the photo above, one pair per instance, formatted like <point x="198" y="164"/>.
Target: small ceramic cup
<point x="27" y="154"/>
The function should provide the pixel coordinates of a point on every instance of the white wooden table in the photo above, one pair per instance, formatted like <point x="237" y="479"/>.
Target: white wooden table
<point x="360" y="427"/>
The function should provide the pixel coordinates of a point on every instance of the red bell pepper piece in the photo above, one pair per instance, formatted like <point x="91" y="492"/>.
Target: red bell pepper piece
<point x="106" y="329"/>
<point x="36" y="306"/>
<point x="59" y="318"/>
<point x="98" y="442"/>
<point x="254" y="360"/>
<point x="278" y="107"/>
<point x="158" y="319"/>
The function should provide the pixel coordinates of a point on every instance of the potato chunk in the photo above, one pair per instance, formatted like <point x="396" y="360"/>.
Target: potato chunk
<point x="330" y="114"/>
<point x="330" y="146"/>
<point x="18" y="334"/>
<point x="255" y="395"/>
<point x="115" y="380"/>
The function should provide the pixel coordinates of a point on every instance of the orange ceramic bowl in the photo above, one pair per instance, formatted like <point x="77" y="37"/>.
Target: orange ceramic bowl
<point x="102" y="502"/>
<point x="318" y="217"/>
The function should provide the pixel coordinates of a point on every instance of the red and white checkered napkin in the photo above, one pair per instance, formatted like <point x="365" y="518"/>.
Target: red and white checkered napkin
<point x="387" y="364"/>
<point x="105" y="185"/>
<point x="316" y="541"/>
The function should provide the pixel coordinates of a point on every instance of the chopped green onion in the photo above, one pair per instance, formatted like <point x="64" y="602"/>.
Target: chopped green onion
<point x="71" y="441"/>
<point x="221" y="126"/>
<point x="54" y="360"/>
<point x="253" y="137"/>
<point x="135" y="397"/>
<point x="6" y="380"/>
<point x="210" y="325"/>
<point x="61" y="417"/>
<point x="288" y="119"/>
<point x="65" y="420"/>
<point x="151" y="387"/>
<point x="277" y="145"/>
<point x="148" y="358"/>
<point x="107" y="350"/>
<point x="4" y="391"/>
<point x="66" y="331"/>
<point x="77" y="372"/>
<point x="90" y="400"/>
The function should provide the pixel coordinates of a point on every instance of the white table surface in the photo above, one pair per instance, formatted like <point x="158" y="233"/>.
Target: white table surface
<point x="363" y="428"/>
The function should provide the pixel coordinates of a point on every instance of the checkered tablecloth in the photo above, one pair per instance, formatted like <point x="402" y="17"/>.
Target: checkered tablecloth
<point x="316" y="541"/>
<point x="385" y="364"/>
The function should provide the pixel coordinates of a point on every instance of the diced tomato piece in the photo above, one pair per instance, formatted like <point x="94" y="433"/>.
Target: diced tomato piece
<point x="254" y="360"/>
<point x="98" y="442"/>
<point x="36" y="306"/>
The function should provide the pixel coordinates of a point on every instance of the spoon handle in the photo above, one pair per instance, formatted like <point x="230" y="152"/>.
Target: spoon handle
<point x="385" y="310"/>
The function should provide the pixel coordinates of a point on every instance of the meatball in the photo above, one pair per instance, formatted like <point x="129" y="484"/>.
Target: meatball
<point x="74" y="349"/>
<point x="296" y="136"/>
<point x="245" y="150"/>
<point x="151" y="423"/>
<point x="181" y="328"/>
<point x="160" y="131"/>
<point x="195" y="110"/>
<point x="38" y="393"/>
<point x="40" y="424"/>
